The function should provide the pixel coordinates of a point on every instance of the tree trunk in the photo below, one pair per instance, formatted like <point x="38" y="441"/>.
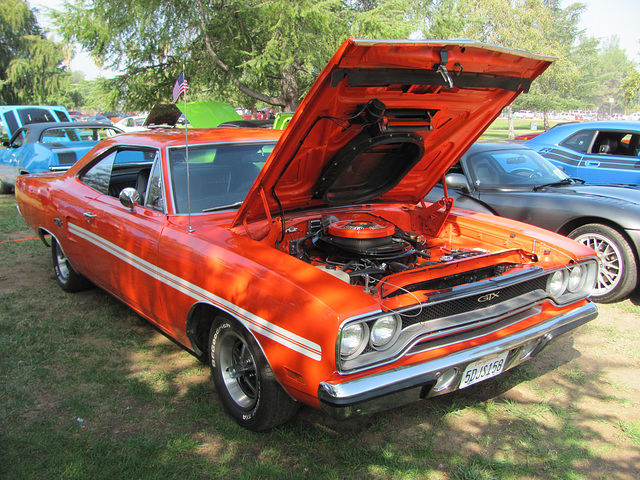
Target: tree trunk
<point x="290" y="90"/>
<point x="512" y="131"/>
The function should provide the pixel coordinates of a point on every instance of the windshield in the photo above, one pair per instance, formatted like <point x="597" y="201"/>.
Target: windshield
<point x="219" y="175"/>
<point x="511" y="167"/>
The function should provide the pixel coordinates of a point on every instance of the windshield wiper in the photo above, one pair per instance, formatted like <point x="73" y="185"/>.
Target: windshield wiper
<point x="564" y="181"/>
<point x="222" y="207"/>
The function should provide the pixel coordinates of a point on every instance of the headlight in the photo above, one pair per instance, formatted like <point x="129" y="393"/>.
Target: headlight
<point x="353" y="340"/>
<point x="575" y="279"/>
<point x="572" y="283"/>
<point x="384" y="331"/>
<point x="557" y="283"/>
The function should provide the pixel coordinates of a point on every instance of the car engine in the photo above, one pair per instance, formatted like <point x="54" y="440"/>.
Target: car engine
<point x="362" y="252"/>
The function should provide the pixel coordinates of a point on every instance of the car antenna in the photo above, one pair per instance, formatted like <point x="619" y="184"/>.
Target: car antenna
<point x="181" y="86"/>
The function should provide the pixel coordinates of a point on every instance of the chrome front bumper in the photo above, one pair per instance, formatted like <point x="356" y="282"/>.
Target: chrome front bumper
<point x="403" y="385"/>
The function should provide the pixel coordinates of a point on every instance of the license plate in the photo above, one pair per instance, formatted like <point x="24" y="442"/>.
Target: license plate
<point x="483" y="369"/>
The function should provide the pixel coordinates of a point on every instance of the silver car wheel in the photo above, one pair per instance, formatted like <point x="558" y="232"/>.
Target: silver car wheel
<point x="63" y="265"/>
<point x="238" y="368"/>
<point x="611" y="264"/>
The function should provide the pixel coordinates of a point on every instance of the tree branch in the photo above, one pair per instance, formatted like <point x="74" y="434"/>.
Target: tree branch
<point x="277" y="101"/>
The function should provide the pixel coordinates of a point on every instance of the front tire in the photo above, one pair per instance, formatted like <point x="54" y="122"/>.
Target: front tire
<point x="618" y="268"/>
<point x="68" y="279"/>
<point x="245" y="383"/>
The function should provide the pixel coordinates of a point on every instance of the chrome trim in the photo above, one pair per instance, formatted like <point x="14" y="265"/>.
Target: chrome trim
<point x="354" y="397"/>
<point x="449" y="328"/>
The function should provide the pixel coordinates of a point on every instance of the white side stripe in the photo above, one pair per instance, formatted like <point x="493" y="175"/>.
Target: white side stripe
<point x="251" y="321"/>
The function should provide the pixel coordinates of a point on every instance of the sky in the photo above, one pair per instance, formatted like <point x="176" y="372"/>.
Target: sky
<point x="602" y="19"/>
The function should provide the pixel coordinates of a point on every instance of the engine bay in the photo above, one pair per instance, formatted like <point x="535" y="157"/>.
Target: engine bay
<point x="364" y="251"/>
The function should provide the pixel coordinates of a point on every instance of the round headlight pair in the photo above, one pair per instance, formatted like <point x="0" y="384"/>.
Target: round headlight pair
<point x="566" y="281"/>
<point x="380" y="334"/>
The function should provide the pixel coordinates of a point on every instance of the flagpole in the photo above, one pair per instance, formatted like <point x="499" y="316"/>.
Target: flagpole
<point x="186" y="148"/>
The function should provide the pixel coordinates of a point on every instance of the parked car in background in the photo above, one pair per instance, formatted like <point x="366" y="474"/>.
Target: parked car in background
<point x="15" y="116"/>
<point x="43" y="147"/>
<point x="602" y="152"/>
<point x="80" y="118"/>
<point x="131" y="124"/>
<point x="303" y="263"/>
<point x="100" y="118"/>
<point x="513" y="181"/>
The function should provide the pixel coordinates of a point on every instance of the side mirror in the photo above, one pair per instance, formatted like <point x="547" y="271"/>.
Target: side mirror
<point x="129" y="197"/>
<point x="457" y="181"/>
<point x="6" y="144"/>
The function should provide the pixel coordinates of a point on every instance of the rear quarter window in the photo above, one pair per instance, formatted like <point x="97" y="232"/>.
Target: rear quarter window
<point x="579" y="141"/>
<point x="35" y="115"/>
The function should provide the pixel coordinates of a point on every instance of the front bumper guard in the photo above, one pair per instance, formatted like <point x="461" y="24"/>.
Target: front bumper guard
<point x="403" y="385"/>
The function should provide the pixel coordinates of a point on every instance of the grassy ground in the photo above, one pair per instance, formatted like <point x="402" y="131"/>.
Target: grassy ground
<point x="499" y="130"/>
<point x="89" y="390"/>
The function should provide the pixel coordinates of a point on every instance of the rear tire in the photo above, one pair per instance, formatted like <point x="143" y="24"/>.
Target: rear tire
<point x="68" y="279"/>
<point x="618" y="267"/>
<point x="245" y="383"/>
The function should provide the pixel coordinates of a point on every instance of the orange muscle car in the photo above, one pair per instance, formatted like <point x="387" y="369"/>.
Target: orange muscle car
<point x="304" y="264"/>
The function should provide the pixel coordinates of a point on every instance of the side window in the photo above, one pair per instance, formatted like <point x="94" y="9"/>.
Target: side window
<point x="35" y="115"/>
<point x="98" y="177"/>
<point x="579" y="141"/>
<point x="56" y="135"/>
<point x="11" y="122"/>
<point x="611" y="143"/>
<point x="154" y="198"/>
<point x="62" y="116"/>
<point x="628" y="145"/>
<point x="120" y="169"/>
<point x="19" y="138"/>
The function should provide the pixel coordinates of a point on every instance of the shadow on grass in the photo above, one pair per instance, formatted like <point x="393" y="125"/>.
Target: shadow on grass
<point x="91" y="390"/>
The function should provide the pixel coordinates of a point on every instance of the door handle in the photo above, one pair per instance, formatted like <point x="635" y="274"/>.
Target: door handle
<point x="592" y="163"/>
<point x="89" y="215"/>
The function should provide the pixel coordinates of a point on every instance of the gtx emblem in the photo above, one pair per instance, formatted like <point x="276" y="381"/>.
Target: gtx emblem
<point x="488" y="297"/>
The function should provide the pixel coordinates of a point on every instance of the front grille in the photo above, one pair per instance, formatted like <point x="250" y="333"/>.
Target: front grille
<point x="471" y="303"/>
<point x="451" y="281"/>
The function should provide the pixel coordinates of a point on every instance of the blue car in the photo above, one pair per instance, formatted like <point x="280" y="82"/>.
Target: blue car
<point x="43" y="147"/>
<point x="597" y="152"/>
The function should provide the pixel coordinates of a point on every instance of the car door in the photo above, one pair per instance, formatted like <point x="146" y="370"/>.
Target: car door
<point x="11" y="156"/>
<point x="120" y="244"/>
<point x="612" y="158"/>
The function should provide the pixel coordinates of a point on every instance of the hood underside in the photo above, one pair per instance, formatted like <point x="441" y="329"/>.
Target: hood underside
<point x="385" y="120"/>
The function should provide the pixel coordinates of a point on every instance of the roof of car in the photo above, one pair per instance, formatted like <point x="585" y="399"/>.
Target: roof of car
<point x="49" y="125"/>
<point x="601" y="124"/>
<point x="169" y="137"/>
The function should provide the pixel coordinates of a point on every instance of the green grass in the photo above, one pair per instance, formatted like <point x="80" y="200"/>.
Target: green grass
<point x="499" y="129"/>
<point x="89" y="390"/>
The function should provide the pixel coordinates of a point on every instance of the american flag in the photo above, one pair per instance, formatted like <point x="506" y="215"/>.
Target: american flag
<point x="181" y="86"/>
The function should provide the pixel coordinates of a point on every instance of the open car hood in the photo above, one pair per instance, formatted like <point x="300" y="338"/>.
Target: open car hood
<point x="385" y="120"/>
